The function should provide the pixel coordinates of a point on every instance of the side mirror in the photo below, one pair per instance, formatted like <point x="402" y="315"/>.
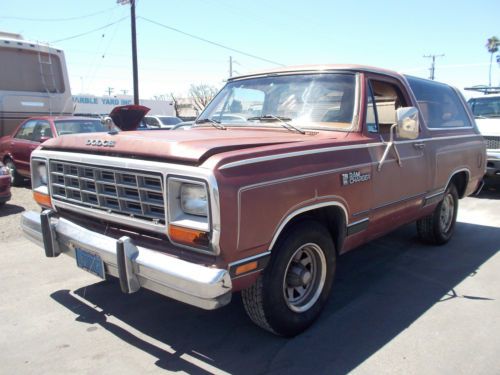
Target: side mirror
<point x="407" y="122"/>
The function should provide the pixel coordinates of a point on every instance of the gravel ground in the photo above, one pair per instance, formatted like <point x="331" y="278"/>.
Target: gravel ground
<point x="10" y="214"/>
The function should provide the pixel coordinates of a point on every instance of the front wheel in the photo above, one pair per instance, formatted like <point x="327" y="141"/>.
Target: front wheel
<point x="290" y="294"/>
<point x="438" y="227"/>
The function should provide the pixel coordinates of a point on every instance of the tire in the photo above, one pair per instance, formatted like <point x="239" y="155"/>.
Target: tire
<point x="438" y="227"/>
<point x="15" y="178"/>
<point x="291" y="293"/>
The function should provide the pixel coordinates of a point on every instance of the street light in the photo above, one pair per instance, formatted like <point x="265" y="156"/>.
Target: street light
<point x="134" y="47"/>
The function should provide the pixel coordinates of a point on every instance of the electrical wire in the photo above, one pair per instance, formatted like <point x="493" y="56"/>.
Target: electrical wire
<point x="56" y="19"/>
<point x="90" y="31"/>
<point x="210" y="42"/>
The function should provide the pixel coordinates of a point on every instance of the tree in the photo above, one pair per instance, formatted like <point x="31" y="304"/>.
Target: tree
<point x="201" y="95"/>
<point x="492" y="46"/>
<point x="176" y="104"/>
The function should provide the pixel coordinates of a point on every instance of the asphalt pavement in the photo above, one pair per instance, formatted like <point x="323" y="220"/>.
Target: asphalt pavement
<point x="398" y="307"/>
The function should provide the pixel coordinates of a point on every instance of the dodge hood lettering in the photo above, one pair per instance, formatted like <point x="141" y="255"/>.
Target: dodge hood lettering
<point x="99" y="142"/>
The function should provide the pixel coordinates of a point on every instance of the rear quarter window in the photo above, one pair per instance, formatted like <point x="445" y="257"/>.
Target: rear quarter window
<point x="440" y="104"/>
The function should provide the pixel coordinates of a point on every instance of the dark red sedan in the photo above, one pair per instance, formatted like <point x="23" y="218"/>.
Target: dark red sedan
<point x="15" y="149"/>
<point x="4" y="185"/>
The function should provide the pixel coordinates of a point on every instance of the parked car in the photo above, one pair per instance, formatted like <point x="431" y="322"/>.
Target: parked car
<point x="16" y="149"/>
<point x="266" y="202"/>
<point x="184" y="125"/>
<point x="486" y="110"/>
<point x="166" y="122"/>
<point x="5" y="194"/>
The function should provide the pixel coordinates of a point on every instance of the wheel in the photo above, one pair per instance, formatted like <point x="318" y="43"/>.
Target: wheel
<point x="15" y="178"/>
<point x="438" y="227"/>
<point x="290" y="294"/>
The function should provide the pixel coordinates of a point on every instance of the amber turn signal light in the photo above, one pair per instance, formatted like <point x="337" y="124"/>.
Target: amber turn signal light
<point x="244" y="268"/>
<point x="42" y="199"/>
<point x="188" y="236"/>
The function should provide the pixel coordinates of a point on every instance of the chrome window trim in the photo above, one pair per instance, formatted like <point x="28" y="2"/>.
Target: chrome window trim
<point x="165" y="169"/>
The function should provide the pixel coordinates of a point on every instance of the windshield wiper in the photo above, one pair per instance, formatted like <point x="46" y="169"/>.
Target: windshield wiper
<point x="214" y="123"/>
<point x="281" y="119"/>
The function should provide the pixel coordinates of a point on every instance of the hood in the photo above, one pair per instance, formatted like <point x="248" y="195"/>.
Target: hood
<point x="193" y="146"/>
<point x="489" y="126"/>
<point x="128" y="117"/>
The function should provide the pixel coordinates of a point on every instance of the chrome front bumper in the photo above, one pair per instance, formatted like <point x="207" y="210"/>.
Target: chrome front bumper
<point x="135" y="266"/>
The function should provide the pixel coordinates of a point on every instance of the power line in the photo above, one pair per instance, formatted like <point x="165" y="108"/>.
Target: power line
<point x="211" y="42"/>
<point x="56" y="19"/>
<point x="90" y="31"/>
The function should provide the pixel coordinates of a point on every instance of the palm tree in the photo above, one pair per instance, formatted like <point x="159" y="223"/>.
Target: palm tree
<point x="492" y="46"/>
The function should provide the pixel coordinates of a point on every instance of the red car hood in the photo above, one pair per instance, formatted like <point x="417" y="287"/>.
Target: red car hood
<point x="192" y="146"/>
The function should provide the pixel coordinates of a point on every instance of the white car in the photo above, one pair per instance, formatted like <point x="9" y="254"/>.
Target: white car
<point x="166" y="122"/>
<point x="486" y="110"/>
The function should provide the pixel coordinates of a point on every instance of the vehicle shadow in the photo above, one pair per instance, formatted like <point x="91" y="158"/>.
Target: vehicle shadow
<point x="10" y="209"/>
<point x="380" y="289"/>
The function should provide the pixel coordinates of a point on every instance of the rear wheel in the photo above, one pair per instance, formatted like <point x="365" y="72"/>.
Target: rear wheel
<point x="15" y="178"/>
<point x="290" y="294"/>
<point x="438" y="227"/>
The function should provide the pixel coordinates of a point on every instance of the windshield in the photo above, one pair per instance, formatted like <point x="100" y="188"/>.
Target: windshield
<point x="485" y="107"/>
<point x="169" y="120"/>
<point x="325" y="101"/>
<point x="79" y="126"/>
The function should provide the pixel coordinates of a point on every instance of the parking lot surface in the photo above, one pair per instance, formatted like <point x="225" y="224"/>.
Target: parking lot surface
<point x="397" y="307"/>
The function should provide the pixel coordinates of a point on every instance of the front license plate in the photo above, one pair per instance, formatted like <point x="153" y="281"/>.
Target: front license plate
<point x="90" y="262"/>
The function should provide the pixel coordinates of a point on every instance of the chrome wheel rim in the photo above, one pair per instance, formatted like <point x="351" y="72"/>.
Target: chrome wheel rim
<point x="304" y="277"/>
<point x="10" y="168"/>
<point x="446" y="213"/>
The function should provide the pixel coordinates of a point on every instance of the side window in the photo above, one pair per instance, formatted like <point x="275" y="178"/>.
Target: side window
<point x="41" y="130"/>
<point x="386" y="99"/>
<point x="26" y="131"/>
<point x="440" y="104"/>
<point x="371" y="114"/>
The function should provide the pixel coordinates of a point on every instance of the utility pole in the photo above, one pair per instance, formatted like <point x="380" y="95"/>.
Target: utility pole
<point x="433" y="64"/>
<point x="124" y="92"/>
<point x="231" y="63"/>
<point x="110" y="90"/>
<point x="134" y="48"/>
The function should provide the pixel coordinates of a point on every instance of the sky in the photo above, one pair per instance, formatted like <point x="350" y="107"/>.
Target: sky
<point x="258" y="34"/>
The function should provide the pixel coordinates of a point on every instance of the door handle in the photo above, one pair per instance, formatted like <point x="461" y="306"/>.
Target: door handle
<point x="420" y="146"/>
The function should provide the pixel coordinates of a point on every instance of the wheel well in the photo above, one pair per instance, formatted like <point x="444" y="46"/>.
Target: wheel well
<point x="331" y="217"/>
<point x="460" y="180"/>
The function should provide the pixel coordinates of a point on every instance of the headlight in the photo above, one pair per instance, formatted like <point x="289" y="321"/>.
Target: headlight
<point x="189" y="213"/>
<point x="42" y="173"/>
<point x="194" y="199"/>
<point x="39" y="182"/>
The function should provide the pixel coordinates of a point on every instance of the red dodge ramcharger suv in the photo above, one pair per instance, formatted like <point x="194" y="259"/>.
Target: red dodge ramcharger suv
<point x="283" y="171"/>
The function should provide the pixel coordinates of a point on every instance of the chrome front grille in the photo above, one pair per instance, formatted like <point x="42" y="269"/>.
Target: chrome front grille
<point x="492" y="142"/>
<point x="124" y="192"/>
